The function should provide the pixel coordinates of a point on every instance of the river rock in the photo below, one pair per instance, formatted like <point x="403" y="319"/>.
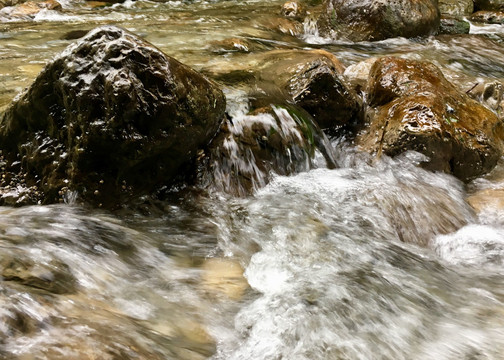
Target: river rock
<point x="231" y="45"/>
<point x="28" y="9"/>
<point x="487" y="199"/>
<point x="413" y="107"/>
<point x="357" y="74"/>
<point x="5" y="3"/>
<point x="456" y="7"/>
<point x="110" y="117"/>
<point x="491" y="5"/>
<point x="372" y="20"/>
<point x="319" y="87"/>
<point x="488" y="17"/>
<point x="312" y="79"/>
<point x="293" y="9"/>
<point x="490" y="94"/>
<point x="221" y="276"/>
<point x="453" y="26"/>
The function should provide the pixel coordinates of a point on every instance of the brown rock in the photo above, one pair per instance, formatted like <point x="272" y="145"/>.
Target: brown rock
<point x="224" y="277"/>
<point x="371" y="20"/>
<point x="286" y="26"/>
<point x="5" y="3"/>
<point x="416" y="108"/>
<point x="30" y="8"/>
<point x="488" y="17"/>
<point x="485" y="199"/>
<point x="231" y="45"/>
<point x="293" y="9"/>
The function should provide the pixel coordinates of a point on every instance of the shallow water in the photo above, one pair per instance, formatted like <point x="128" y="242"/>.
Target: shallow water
<point x="377" y="259"/>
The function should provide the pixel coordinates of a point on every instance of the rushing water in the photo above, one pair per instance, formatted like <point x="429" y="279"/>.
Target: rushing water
<point x="377" y="259"/>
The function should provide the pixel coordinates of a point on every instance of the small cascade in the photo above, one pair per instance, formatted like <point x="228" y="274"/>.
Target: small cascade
<point x="281" y="139"/>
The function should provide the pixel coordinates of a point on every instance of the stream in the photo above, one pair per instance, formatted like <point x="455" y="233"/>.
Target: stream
<point x="376" y="259"/>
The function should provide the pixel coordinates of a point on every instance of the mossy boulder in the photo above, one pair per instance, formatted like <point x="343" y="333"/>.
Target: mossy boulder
<point x="109" y="118"/>
<point x="413" y="107"/>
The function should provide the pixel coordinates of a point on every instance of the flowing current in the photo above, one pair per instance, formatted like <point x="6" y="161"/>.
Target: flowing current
<point x="376" y="259"/>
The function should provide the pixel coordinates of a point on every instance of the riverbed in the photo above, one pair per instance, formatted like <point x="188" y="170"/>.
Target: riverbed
<point x="376" y="259"/>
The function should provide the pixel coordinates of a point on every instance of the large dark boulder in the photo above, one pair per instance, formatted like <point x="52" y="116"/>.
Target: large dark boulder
<point x="111" y="116"/>
<point x="371" y="20"/>
<point x="413" y="107"/>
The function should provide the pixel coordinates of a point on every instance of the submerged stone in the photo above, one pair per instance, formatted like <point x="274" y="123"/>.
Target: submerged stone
<point x="110" y="117"/>
<point x="54" y="277"/>
<point x="372" y="20"/>
<point x="413" y="107"/>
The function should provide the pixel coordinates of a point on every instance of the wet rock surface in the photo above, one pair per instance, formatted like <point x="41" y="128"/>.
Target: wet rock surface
<point x="490" y="94"/>
<point x="453" y="26"/>
<point x="488" y="17"/>
<point x="413" y="107"/>
<point x="318" y="87"/>
<point x="293" y="9"/>
<point x="456" y="7"/>
<point x="310" y="79"/>
<point x="371" y="20"/>
<point x="110" y="117"/>
<point x="28" y="9"/>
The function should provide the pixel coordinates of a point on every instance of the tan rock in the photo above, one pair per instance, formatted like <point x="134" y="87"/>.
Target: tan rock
<point x="488" y="198"/>
<point x="224" y="277"/>
<point x="488" y="17"/>
<point x="413" y="107"/>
